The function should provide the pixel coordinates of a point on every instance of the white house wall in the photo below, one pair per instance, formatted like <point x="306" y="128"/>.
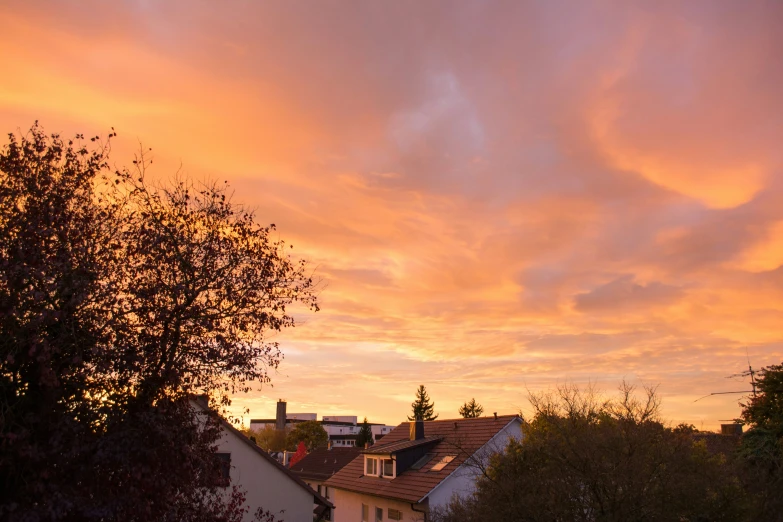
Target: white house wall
<point x="462" y="481"/>
<point x="348" y="507"/>
<point x="265" y="485"/>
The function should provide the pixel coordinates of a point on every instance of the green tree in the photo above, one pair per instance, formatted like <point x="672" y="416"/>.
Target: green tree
<point x="310" y="432"/>
<point x="422" y="407"/>
<point x="471" y="409"/>
<point x="271" y="439"/>
<point x="365" y="435"/>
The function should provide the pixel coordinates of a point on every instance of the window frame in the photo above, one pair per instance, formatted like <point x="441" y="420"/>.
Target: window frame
<point x="382" y="470"/>
<point x="376" y="467"/>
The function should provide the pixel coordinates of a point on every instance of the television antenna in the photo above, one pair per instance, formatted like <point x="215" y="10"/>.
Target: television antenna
<point x="749" y="373"/>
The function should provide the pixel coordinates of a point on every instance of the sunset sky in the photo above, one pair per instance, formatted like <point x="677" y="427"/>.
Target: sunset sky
<point x="497" y="196"/>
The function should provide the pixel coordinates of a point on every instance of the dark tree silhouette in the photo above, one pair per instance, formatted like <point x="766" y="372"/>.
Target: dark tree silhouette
<point x="365" y="435"/>
<point x="118" y="302"/>
<point x="471" y="409"/>
<point x="588" y="458"/>
<point x="422" y="407"/>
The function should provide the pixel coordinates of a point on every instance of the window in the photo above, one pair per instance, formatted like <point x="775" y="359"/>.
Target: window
<point x="378" y="514"/>
<point x="371" y="466"/>
<point x="225" y="468"/>
<point x="395" y="514"/>
<point x="442" y="463"/>
<point x="422" y="461"/>
<point x="365" y="513"/>
<point x="388" y="468"/>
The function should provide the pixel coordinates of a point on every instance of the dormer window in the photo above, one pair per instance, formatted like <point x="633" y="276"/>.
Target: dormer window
<point x="388" y="468"/>
<point x="380" y="467"/>
<point x="371" y="466"/>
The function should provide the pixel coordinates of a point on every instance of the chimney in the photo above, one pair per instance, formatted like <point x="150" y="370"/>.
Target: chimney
<point x="366" y="445"/>
<point x="417" y="429"/>
<point x="496" y="415"/>
<point x="329" y="445"/>
<point x="280" y="418"/>
<point x="734" y="429"/>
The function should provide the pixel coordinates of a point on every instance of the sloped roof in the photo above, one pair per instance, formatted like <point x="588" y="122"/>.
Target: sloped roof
<point x="322" y="463"/>
<point x="318" y="499"/>
<point x="388" y="448"/>
<point x="459" y="437"/>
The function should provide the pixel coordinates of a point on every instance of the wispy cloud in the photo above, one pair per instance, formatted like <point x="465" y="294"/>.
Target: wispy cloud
<point x="498" y="196"/>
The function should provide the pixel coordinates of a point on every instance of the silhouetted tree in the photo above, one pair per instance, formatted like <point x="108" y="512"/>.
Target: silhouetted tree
<point x="118" y="302"/>
<point x="471" y="409"/>
<point x="762" y="445"/>
<point x="422" y="407"/>
<point x="587" y="458"/>
<point x="365" y="435"/>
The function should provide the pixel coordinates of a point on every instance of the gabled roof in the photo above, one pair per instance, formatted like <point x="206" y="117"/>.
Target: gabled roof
<point x="318" y="499"/>
<point x="460" y="438"/>
<point x="322" y="463"/>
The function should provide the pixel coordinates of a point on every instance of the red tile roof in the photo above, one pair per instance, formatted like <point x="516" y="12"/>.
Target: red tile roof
<point x="460" y="437"/>
<point x="322" y="463"/>
<point x="388" y="447"/>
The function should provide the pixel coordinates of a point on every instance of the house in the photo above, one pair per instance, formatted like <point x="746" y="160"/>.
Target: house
<point x="417" y="467"/>
<point x="267" y="483"/>
<point x="342" y="430"/>
<point x="321" y="464"/>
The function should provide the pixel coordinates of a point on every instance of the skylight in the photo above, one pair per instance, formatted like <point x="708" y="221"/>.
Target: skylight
<point x="442" y="462"/>
<point x="422" y="461"/>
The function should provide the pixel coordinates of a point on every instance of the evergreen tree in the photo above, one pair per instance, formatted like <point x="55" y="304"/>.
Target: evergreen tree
<point x="422" y="407"/>
<point x="365" y="435"/>
<point x="471" y="409"/>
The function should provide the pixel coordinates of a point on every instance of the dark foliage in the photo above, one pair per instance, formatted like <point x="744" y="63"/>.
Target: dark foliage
<point x="422" y="407"/>
<point x="762" y="444"/>
<point x="365" y="435"/>
<point x="589" y="459"/>
<point x="119" y="301"/>
<point x="471" y="409"/>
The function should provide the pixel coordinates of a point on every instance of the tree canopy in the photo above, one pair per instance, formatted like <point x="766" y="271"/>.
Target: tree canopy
<point x="119" y="300"/>
<point x="585" y="457"/>
<point x="422" y="407"/>
<point x="310" y="432"/>
<point x="471" y="409"/>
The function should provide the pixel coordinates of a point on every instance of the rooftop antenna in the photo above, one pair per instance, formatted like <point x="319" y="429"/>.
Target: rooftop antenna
<point x="751" y="373"/>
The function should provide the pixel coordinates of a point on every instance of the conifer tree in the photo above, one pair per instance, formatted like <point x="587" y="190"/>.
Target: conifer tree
<point x="365" y="435"/>
<point x="422" y="407"/>
<point x="471" y="409"/>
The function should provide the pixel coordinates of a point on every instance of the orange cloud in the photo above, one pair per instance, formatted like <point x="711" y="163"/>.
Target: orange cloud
<point x="497" y="198"/>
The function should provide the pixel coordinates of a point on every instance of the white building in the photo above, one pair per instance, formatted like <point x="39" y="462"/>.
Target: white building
<point x="341" y="429"/>
<point x="267" y="483"/>
<point x="417" y="467"/>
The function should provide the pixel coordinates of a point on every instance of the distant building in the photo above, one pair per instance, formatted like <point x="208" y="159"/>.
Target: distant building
<point x="417" y="467"/>
<point x="342" y="430"/>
